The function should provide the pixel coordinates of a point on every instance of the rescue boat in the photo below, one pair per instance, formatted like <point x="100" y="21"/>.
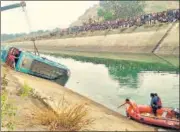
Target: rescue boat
<point x="166" y="117"/>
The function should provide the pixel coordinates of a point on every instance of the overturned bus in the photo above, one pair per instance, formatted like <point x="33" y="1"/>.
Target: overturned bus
<point x="32" y="64"/>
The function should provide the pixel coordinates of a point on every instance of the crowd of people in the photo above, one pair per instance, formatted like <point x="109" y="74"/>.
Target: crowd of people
<point x="152" y="18"/>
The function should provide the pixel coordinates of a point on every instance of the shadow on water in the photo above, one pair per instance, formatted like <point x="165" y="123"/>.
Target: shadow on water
<point x="126" y="72"/>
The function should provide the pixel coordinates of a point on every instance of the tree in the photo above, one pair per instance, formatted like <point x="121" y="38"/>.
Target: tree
<point x="108" y="16"/>
<point x="40" y="31"/>
<point x="5" y="37"/>
<point x="100" y="12"/>
<point x="120" y="9"/>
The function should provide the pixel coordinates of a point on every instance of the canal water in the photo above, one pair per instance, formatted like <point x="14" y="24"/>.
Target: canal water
<point x="110" y="82"/>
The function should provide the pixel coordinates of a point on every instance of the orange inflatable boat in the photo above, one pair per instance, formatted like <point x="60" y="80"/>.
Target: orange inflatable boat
<point x="166" y="117"/>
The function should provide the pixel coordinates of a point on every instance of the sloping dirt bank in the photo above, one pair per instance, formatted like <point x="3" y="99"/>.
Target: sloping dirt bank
<point x="132" y="40"/>
<point x="18" y="119"/>
<point x="105" y="119"/>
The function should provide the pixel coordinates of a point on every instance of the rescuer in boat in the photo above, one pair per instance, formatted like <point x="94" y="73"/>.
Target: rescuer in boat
<point x="133" y="105"/>
<point x="159" y="103"/>
<point x="155" y="103"/>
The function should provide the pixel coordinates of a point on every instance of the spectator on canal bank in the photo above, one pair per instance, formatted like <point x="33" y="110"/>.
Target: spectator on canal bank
<point x="149" y="19"/>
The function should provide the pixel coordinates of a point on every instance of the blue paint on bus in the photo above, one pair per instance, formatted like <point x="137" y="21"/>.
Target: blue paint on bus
<point x="32" y="64"/>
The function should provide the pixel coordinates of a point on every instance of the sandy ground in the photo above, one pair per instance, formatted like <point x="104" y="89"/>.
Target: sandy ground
<point x="24" y="106"/>
<point x="105" y="119"/>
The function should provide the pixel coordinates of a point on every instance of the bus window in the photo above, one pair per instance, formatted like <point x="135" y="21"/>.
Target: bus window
<point x="26" y="63"/>
<point x="44" y="69"/>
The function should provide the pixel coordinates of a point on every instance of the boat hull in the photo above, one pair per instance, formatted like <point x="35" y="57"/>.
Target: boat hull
<point x="144" y="115"/>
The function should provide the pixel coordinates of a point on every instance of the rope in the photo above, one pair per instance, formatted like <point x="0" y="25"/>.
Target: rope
<point x="165" y="60"/>
<point x="30" y="30"/>
<point x="160" y="41"/>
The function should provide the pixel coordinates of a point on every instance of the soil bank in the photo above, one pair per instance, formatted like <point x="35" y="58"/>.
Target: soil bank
<point x="105" y="119"/>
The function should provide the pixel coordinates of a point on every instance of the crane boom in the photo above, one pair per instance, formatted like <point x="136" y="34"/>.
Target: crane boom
<point x="12" y="6"/>
<point x="21" y="4"/>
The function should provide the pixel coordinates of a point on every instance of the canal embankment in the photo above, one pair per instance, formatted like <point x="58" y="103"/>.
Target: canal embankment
<point x="51" y="93"/>
<point x="161" y="38"/>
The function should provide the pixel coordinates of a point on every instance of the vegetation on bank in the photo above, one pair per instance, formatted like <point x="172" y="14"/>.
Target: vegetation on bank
<point x="99" y="13"/>
<point x="6" y="37"/>
<point x="67" y="117"/>
<point x="112" y="10"/>
<point x="8" y="110"/>
<point x="25" y="90"/>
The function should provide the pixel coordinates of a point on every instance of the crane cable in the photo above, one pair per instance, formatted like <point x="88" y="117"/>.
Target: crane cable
<point x="153" y="51"/>
<point x="30" y="30"/>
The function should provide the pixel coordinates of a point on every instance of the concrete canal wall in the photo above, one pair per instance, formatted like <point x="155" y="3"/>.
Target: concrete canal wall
<point x="139" y="40"/>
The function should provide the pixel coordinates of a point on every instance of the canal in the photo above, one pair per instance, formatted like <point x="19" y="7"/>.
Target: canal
<point x="110" y="82"/>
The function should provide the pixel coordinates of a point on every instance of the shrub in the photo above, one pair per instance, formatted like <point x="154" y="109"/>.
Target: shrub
<point x="66" y="117"/>
<point x="7" y="110"/>
<point x="4" y="79"/>
<point x="25" y="90"/>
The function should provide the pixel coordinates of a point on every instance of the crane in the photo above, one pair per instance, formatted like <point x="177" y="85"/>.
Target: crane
<point x="12" y="6"/>
<point x="17" y="5"/>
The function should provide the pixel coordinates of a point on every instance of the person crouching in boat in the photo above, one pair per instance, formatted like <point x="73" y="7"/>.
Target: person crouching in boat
<point x="155" y="103"/>
<point x="133" y="106"/>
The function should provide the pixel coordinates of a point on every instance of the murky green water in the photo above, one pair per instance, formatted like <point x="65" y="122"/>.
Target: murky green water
<point x="109" y="82"/>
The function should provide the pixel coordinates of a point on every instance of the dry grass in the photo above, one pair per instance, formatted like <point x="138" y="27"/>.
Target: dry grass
<point x="66" y="118"/>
